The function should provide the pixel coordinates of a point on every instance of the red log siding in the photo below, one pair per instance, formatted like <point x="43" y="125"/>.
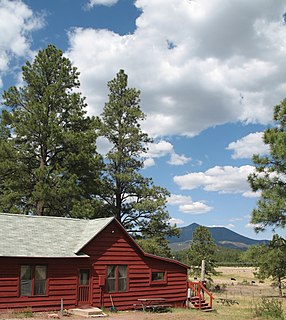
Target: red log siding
<point x="62" y="277"/>
<point x="111" y="247"/>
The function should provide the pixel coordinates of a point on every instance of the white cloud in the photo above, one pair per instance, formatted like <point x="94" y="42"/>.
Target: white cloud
<point x="149" y="162"/>
<point x="17" y="22"/>
<point x="251" y="194"/>
<point x="195" y="208"/>
<point x="229" y="226"/>
<point x="93" y="3"/>
<point x="155" y="150"/>
<point x="177" y="199"/>
<point x="187" y="205"/>
<point x="226" y="179"/>
<point x="197" y="63"/>
<point x="248" y="146"/>
<point x="252" y="225"/>
<point x="161" y="149"/>
<point x="178" y="160"/>
<point x="176" y="221"/>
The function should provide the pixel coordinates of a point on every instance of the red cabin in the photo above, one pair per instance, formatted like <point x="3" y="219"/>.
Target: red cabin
<point x="46" y="261"/>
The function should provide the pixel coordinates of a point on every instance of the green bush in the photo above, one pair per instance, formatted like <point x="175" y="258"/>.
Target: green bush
<point x="269" y="308"/>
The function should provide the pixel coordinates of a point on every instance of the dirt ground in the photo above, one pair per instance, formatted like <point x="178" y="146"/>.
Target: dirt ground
<point x="123" y="315"/>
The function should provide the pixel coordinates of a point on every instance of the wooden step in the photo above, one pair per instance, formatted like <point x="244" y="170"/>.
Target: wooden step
<point x="197" y="305"/>
<point x="88" y="312"/>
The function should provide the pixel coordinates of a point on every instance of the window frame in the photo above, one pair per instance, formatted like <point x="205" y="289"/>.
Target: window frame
<point x="34" y="283"/>
<point x="116" y="278"/>
<point x="158" y="282"/>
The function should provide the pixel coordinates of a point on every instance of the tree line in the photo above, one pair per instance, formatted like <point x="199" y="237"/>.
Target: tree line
<point x="269" y="259"/>
<point x="49" y="163"/>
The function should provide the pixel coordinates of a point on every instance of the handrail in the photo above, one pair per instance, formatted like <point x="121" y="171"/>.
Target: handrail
<point x="197" y="287"/>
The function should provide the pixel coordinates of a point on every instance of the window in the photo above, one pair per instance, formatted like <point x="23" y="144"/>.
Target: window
<point x="116" y="280"/>
<point x="158" y="277"/>
<point x="84" y="277"/>
<point x="122" y="278"/>
<point x="26" y="281"/>
<point x="33" y="280"/>
<point x="111" y="279"/>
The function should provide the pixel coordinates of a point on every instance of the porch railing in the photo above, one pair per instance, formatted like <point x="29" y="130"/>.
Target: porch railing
<point x="200" y="291"/>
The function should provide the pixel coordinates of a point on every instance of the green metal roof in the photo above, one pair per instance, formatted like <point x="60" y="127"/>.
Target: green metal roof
<point x="42" y="236"/>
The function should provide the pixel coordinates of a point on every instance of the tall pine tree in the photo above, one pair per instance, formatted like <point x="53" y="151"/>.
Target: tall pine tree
<point x="48" y="159"/>
<point x="132" y="198"/>
<point x="270" y="260"/>
<point x="202" y="247"/>
<point x="270" y="175"/>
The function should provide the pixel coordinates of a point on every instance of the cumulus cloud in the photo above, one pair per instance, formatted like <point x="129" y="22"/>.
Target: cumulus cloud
<point x="155" y="150"/>
<point x="177" y="199"/>
<point x="149" y="162"/>
<point x="178" y="160"/>
<point x="248" y="146"/>
<point x="17" y="23"/>
<point x="93" y="3"/>
<point x="176" y="221"/>
<point x="161" y="149"/>
<point x="187" y="205"/>
<point x="197" y="63"/>
<point x="195" y="208"/>
<point x="225" y="179"/>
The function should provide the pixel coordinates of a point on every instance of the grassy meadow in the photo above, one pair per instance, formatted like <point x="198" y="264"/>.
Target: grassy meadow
<point x="245" y="289"/>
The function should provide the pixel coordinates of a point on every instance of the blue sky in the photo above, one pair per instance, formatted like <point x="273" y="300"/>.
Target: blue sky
<point x="209" y="72"/>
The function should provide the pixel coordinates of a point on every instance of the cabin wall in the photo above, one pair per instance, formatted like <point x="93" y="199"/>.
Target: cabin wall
<point x="114" y="247"/>
<point x="62" y="280"/>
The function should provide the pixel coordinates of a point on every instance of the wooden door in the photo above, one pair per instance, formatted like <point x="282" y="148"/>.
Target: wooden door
<point x="84" y="287"/>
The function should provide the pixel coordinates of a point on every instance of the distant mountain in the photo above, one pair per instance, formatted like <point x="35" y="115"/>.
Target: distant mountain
<point x="222" y="236"/>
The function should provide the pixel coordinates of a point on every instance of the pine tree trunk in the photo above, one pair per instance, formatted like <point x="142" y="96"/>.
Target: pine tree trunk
<point x="40" y="208"/>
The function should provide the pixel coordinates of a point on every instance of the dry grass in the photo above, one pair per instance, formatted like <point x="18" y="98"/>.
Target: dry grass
<point x="246" y="289"/>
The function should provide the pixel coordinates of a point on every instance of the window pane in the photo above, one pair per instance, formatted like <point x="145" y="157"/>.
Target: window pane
<point x="40" y="273"/>
<point x="40" y="287"/>
<point x="26" y="273"/>
<point x="122" y="272"/>
<point x="26" y="281"/>
<point x="84" y="277"/>
<point x="122" y="278"/>
<point x="158" y="276"/>
<point x="111" y="271"/>
<point x="40" y="280"/>
<point x="111" y="279"/>
<point x="110" y="285"/>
